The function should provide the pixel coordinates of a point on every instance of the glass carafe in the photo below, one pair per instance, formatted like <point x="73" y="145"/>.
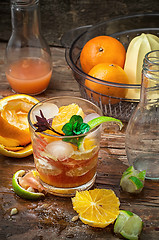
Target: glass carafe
<point x="142" y="134"/>
<point x="28" y="57"/>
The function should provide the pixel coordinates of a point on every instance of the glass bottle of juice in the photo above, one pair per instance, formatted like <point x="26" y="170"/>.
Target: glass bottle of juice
<point x="28" y="57"/>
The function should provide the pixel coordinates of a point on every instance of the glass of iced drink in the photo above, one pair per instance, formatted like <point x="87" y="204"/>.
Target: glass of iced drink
<point x="65" y="164"/>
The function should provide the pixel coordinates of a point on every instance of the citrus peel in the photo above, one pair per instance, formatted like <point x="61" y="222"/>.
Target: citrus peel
<point x="15" y="140"/>
<point x="103" y="119"/>
<point x="16" y="152"/>
<point x="21" y="191"/>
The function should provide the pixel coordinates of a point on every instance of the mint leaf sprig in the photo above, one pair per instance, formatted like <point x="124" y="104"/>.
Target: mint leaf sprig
<point x="75" y="126"/>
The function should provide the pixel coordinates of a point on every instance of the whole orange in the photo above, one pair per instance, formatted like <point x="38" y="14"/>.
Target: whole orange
<point x="102" y="49"/>
<point x="110" y="73"/>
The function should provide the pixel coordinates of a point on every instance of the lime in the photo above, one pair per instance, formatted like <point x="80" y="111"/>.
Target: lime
<point x="20" y="191"/>
<point x="132" y="180"/>
<point x="120" y="221"/>
<point x="89" y="141"/>
<point x="128" y="224"/>
<point x="97" y="121"/>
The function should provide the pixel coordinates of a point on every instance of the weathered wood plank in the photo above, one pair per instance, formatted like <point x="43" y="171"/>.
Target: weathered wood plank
<point x="54" y="214"/>
<point x="58" y="17"/>
<point x="51" y="218"/>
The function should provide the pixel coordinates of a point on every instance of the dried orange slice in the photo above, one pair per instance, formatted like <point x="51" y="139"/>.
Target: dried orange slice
<point x="97" y="208"/>
<point x="64" y="115"/>
<point x="15" y="140"/>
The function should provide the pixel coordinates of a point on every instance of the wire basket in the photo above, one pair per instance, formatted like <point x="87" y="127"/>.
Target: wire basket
<point x="123" y="29"/>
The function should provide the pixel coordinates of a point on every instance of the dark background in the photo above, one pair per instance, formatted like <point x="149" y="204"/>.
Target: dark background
<point x="59" y="16"/>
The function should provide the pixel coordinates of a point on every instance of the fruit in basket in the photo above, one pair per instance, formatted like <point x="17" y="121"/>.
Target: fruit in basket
<point x="136" y="52"/>
<point x="15" y="138"/>
<point x="101" y="89"/>
<point x="102" y="49"/>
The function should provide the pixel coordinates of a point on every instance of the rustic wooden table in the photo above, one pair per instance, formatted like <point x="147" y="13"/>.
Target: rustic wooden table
<point x="51" y="218"/>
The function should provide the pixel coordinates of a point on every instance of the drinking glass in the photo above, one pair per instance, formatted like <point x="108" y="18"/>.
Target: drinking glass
<point x="64" y="168"/>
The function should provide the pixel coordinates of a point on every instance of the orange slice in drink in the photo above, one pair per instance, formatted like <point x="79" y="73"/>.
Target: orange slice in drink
<point x="64" y="115"/>
<point x="88" y="143"/>
<point x="97" y="208"/>
<point x="15" y="140"/>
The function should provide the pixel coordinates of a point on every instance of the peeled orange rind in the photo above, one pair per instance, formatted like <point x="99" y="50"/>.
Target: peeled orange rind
<point x="16" y="152"/>
<point x="15" y="140"/>
<point x="21" y="192"/>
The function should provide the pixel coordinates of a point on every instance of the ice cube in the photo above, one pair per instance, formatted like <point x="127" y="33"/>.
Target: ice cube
<point x="49" y="110"/>
<point x="82" y="170"/>
<point x="43" y="166"/>
<point x="59" y="150"/>
<point x="90" y="116"/>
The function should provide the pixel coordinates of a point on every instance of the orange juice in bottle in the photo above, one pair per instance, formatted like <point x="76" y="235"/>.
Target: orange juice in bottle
<point x="29" y="75"/>
<point x="28" y="57"/>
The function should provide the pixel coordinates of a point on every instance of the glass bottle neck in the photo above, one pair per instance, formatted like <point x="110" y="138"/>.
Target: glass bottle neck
<point x="150" y="79"/>
<point x="25" y="17"/>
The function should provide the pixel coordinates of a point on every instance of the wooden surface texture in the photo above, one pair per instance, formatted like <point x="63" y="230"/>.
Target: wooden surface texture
<point x="58" y="17"/>
<point x="51" y="218"/>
